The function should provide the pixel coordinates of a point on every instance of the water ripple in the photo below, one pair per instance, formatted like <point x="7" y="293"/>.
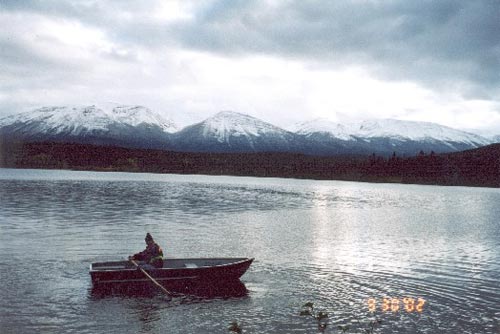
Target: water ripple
<point x="332" y="243"/>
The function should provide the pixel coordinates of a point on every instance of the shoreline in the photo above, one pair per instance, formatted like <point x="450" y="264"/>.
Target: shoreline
<point x="473" y="168"/>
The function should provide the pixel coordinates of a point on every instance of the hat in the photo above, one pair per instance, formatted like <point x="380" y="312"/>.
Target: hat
<point x="148" y="237"/>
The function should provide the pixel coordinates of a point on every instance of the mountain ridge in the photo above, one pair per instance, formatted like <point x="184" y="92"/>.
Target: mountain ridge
<point x="229" y="131"/>
<point x="396" y="129"/>
<point x="109" y="123"/>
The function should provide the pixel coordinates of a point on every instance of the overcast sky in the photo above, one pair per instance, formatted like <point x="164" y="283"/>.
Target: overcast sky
<point x="281" y="61"/>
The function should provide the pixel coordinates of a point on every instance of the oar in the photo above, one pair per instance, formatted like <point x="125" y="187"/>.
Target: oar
<point x="152" y="279"/>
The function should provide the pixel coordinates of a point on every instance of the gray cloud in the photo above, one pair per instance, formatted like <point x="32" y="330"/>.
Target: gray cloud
<point x="429" y="41"/>
<point x="124" y="21"/>
<point x="433" y="42"/>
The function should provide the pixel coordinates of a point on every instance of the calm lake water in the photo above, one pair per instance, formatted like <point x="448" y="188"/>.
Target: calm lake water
<point x="336" y="244"/>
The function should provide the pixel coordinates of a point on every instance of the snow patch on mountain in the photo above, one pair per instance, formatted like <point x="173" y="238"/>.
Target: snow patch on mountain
<point x="495" y="139"/>
<point x="228" y="124"/>
<point x="322" y="125"/>
<point x="416" y="131"/>
<point x="78" y="120"/>
<point x="393" y="129"/>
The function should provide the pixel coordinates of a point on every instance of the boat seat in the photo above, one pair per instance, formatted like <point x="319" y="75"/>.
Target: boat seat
<point x="190" y="265"/>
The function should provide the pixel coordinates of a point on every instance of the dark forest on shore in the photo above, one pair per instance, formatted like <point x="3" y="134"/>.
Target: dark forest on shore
<point x="478" y="167"/>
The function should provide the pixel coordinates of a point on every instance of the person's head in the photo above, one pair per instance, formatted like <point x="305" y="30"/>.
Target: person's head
<point x="148" y="239"/>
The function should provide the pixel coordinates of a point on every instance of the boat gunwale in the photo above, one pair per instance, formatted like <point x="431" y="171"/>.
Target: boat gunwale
<point x="183" y="268"/>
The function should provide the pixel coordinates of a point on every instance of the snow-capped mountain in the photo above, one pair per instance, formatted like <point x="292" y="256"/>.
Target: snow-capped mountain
<point x="137" y="126"/>
<point x="109" y="123"/>
<point x="230" y="131"/>
<point x="388" y="135"/>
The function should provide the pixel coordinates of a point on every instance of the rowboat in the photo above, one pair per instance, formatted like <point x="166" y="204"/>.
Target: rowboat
<point x="175" y="271"/>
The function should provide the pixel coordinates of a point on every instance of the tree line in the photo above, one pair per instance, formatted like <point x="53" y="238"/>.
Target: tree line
<point x="479" y="167"/>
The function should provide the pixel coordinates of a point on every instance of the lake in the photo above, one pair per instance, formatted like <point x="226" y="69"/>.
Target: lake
<point x="432" y="252"/>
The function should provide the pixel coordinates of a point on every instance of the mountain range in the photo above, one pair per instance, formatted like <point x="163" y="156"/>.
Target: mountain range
<point x="227" y="131"/>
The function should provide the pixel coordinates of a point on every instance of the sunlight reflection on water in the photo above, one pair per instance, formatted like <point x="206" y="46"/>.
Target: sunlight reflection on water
<point x="334" y="243"/>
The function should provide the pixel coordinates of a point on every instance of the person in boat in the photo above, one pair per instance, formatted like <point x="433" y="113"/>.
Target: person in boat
<point x="151" y="257"/>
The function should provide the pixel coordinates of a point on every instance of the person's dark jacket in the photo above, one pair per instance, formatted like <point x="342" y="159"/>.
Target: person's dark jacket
<point x="153" y="254"/>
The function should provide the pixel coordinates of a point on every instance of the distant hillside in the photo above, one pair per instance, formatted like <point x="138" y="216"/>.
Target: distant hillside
<point x="478" y="167"/>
